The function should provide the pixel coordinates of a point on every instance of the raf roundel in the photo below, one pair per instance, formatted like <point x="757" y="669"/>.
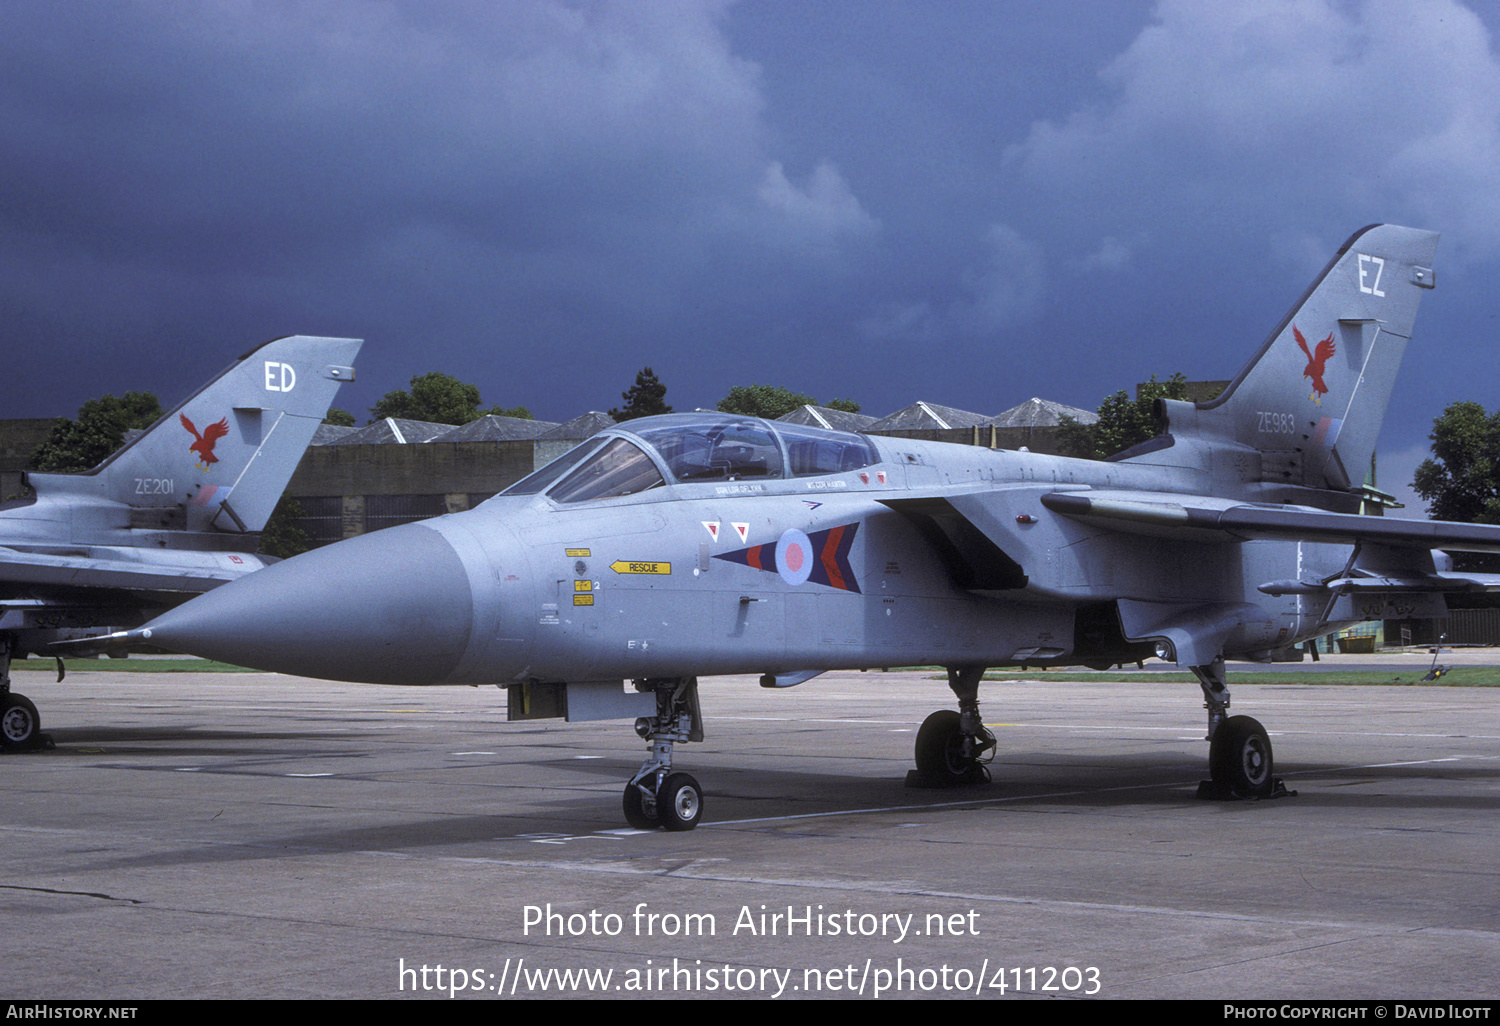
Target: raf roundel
<point x="794" y="557"/>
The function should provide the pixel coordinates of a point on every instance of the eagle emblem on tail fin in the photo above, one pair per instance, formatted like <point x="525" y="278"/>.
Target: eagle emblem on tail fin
<point x="204" y="444"/>
<point x="1316" y="360"/>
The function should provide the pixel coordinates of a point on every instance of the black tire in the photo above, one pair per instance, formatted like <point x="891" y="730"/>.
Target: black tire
<point x="20" y="724"/>
<point x="940" y="748"/>
<point x="679" y="802"/>
<point x="1239" y="757"/>
<point x="634" y="805"/>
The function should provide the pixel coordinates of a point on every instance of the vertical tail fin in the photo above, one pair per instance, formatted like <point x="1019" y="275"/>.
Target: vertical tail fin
<point x="222" y="458"/>
<point x="1312" y="400"/>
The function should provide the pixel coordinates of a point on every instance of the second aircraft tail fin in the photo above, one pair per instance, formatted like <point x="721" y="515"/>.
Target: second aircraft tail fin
<point x="221" y="459"/>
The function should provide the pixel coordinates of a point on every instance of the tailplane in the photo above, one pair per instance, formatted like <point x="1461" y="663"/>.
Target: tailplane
<point x="1306" y="410"/>
<point x="221" y="460"/>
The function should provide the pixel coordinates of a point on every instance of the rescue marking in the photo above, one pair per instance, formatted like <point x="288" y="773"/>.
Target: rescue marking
<point x="626" y="566"/>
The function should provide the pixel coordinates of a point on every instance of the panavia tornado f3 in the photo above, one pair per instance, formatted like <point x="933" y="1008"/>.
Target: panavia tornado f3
<point x="175" y="512"/>
<point x="677" y="547"/>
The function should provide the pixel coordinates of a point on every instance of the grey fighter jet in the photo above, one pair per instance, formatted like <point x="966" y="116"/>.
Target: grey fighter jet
<point x="675" y="547"/>
<point x="174" y="513"/>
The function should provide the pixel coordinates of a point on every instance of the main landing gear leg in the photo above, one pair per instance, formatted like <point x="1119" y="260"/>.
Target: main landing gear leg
<point x="20" y="724"/>
<point x="656" y="796"/>
<point x="1239" y="750"/>
<point x="954" y="748"/>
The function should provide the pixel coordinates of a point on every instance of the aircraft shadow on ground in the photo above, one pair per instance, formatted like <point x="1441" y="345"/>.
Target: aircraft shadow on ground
<point x="575" y="806"/>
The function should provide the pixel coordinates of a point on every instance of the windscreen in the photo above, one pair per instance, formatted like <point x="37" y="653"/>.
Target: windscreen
<point x="539" y="480"/>
<point x="619" y="468"/>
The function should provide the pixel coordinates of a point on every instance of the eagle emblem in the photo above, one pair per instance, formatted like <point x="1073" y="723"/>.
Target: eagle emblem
<point x="204" y="444"/>
<point x="1316" y="361"/>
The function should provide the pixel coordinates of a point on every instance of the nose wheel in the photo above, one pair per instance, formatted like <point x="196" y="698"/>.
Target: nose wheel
<point x="676" y="805"/>
<point x="657" y="796"/>
<point x="639" y="806"/>
<point x="679" y="802"/>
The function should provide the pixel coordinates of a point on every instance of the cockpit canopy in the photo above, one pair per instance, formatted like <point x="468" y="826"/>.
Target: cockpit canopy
<point x="694" y="447"/>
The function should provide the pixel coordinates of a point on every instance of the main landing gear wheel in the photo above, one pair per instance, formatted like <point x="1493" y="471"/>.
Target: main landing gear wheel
<point x="1239" y="758"/>
<point x="1239" y="750"/>
<point x="942" y="754"/>
<point x="639" y="812"/>
<point x="20" y="725"/>
<point x="679" y="802"/>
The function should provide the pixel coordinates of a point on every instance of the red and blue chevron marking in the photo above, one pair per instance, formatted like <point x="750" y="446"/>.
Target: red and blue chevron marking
<point x="828" y="551"/>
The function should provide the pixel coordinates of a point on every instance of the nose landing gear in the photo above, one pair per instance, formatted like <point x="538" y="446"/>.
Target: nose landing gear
<point x="656" y="796"/>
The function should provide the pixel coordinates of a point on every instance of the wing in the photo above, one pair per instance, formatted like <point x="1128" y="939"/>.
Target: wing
<point x="1240" y="521"/>
<point x="125" y="570"/>
<point x="1395" y="554"/>
<point x="214" y="432"/>
<point x="1325" y="350"/>
<point x="189" y="425"/>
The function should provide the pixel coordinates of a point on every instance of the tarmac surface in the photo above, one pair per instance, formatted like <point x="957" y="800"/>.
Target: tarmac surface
<point x="199" y="835"/>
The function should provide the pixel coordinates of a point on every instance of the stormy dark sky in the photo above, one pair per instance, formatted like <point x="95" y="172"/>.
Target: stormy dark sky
<point x="965" y="202"/>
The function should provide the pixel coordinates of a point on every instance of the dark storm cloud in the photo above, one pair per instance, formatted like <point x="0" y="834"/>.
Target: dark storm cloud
<point x="969" y="203"/>
<point x="434" y="176"/>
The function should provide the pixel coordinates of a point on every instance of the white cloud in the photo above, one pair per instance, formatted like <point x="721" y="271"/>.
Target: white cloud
<point x="1005" y="287"/>
<point x="1359" y="110"/>
<point x="820" y="214"/>
<point x="613" y="76"/>
<point x="1112" y="254"/>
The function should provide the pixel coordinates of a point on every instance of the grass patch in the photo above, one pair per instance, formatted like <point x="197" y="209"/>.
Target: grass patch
<point x="1458" y="677"/>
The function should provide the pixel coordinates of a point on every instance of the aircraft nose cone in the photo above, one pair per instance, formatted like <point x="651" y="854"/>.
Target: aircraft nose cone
<point x="393" y="607"/>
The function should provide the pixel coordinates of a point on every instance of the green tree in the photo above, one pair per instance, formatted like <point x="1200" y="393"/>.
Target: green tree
<point x="436" y="397"/>
<point x="282" y="536"/>
<point x="338" y="417"/>
<point x="518" y="412"/>
<point x="1076" y="439"/>
<point x="773" y="402"/>
<point x="1123" y="421"/>
<point x="99" y="430"/>
<point x="1462" y="480"/>
<point x="645" y="398"/>
<point x="768" y="401"/>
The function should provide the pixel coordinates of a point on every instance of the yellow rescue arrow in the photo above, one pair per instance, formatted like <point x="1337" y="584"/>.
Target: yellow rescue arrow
<point x="625" y="566"/>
